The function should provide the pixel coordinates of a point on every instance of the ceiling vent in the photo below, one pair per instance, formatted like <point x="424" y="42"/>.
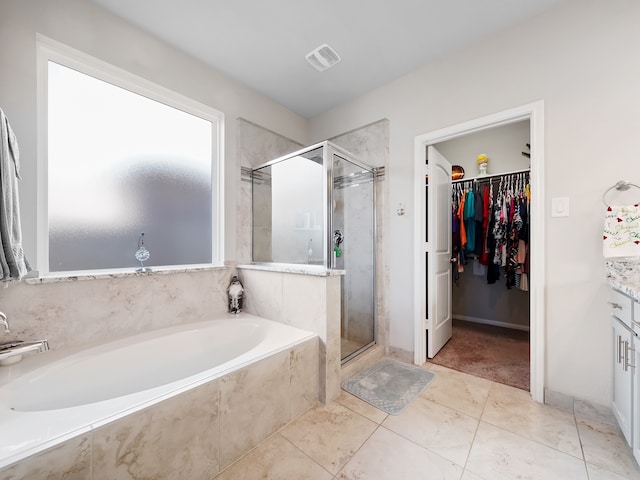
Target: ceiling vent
<point x="323" y="57"/>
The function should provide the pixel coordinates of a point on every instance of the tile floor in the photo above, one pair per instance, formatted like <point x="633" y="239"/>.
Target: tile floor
<point x="462" y="427"/>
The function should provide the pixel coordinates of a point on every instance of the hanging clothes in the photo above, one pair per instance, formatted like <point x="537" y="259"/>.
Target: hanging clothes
<point x="469" y="220"/>
<point x="493" y="229"/>
<point x="486" y="209"/>
<point x="479" y="239"/>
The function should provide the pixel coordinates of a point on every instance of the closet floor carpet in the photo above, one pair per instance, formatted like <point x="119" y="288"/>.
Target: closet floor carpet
<point x="495" y="353"/>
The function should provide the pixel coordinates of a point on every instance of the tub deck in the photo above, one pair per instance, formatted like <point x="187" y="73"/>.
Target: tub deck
<point x="37" y="413"/>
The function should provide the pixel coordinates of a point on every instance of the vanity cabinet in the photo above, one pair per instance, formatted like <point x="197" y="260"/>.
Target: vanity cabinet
<point x="622" y="378"/>
<point x="635" y="444"/>
<point x="626" y="384"/>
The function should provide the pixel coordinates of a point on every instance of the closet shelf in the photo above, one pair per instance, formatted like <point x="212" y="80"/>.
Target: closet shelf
<point x="491" y="175"/>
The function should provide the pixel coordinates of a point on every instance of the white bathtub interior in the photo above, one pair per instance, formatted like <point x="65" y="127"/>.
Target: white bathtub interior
<point x="51" y="397"/>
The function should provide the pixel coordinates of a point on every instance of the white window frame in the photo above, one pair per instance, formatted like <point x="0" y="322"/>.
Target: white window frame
<point x="51" y="50"/>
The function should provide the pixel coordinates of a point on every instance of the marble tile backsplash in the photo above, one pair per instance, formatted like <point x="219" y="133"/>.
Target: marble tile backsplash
<point x="71" y="313"/>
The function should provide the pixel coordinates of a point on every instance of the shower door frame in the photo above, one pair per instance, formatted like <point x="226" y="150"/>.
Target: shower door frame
<point x="328" y="151"/>
<point x="331" y="150"/>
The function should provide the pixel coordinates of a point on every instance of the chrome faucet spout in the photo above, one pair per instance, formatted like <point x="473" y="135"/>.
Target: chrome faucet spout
<point x="3" y="321"/>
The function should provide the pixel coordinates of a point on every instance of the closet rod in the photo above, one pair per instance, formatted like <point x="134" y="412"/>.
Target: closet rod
<point x="491" y="175"/>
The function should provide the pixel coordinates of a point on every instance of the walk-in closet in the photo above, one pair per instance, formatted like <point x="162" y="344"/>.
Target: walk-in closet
<point x="490" y="206"/>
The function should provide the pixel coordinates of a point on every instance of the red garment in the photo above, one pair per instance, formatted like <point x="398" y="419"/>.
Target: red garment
<point x="463" y="230"/>
<point x="486" y="208"/>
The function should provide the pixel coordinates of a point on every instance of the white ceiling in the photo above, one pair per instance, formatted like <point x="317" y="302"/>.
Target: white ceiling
<point x="263" y="43"/>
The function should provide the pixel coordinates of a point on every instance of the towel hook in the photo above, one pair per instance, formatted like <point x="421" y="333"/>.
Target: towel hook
<point x="621" y="186"/>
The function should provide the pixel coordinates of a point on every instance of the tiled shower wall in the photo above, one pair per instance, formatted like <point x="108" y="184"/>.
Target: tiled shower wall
<point x="254" y="146"/>
<point x="370" y="144"/>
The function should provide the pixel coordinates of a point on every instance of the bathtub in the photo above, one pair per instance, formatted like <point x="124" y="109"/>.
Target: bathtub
<point x="54" y="396"/>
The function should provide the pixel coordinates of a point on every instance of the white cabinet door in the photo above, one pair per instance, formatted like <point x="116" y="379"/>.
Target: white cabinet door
<point x="622" y="377"/>
<point x="636" y="397"/>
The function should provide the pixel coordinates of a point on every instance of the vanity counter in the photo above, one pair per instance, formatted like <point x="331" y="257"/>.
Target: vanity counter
<point x="624" y="275"/>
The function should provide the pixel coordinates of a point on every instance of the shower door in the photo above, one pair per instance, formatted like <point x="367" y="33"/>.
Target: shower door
<point x="352" y="249"/>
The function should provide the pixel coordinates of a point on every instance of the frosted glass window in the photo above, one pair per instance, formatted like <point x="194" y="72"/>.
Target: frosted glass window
<point x="121" y="164"/>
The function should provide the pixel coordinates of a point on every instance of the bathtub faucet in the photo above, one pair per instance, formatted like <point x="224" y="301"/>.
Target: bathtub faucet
<point x="3" y="321"/>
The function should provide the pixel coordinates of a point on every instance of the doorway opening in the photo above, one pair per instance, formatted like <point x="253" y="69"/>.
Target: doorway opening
<point x="433" y="306"/>
<point x="490" y="242"/>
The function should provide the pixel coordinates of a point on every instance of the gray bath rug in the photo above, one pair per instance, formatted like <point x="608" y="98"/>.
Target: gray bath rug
<point x="389" y="385"/>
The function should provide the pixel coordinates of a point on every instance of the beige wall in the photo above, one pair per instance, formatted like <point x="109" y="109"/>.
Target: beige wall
<point x="85" y="27"/>
<point x="580" y="58"/>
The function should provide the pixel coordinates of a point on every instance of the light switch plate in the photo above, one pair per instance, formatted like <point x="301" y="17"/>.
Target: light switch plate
<point x="560" y="207"/>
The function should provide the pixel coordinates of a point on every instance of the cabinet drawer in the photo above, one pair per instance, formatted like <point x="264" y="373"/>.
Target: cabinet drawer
<point x="621" y="306"/>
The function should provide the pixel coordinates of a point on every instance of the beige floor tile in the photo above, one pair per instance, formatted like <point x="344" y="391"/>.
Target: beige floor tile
<point x="457" y="390"/>
<point x="329" y="434"/>
<point x="360" y="406"/>
<point x="604" y="446"/>
<point x="514" y="410"/>
<point x="387" y="455"/>
<point x="599" y="473"/>
<point x="443" y="430"/>
<point x="275" y="459"/>
<point x="497" y="454"/>
<point x="468" y="475"/>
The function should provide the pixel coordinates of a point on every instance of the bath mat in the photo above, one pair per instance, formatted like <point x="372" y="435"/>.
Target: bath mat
<point x="389" y="385"/>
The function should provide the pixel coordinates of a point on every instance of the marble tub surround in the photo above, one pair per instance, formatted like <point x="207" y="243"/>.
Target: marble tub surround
<point x="193" y="435"/>
<point x="34" y="279"/>
<point x="72" y="313"/>
<point x="309" y="302"/>
<point x="471" y="439"/>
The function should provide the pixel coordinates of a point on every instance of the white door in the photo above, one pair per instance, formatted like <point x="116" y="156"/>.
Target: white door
<point x="438" y="252"/>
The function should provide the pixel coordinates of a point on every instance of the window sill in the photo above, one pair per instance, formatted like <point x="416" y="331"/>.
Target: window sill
<point x="124" y="273"/>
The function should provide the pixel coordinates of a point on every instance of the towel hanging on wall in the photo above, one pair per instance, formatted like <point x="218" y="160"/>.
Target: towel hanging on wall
<point x="621" y="235"/>
<point x="13" y="264"/>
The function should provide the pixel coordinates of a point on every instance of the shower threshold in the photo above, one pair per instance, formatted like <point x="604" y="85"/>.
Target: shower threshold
<point x="353" y="351"/>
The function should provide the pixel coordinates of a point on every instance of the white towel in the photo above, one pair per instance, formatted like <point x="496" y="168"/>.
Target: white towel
<point x="621" y="235"/>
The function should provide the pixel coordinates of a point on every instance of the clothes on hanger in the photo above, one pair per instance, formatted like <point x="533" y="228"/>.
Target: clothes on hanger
<point x="491" y="228"/>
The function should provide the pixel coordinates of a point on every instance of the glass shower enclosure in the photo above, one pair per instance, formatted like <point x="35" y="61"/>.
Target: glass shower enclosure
<point x="316" y="207"/>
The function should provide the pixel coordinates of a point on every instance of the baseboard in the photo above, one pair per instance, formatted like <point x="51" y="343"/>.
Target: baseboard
<point x="579" y="406"/>
<point x="491" y="322"/>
